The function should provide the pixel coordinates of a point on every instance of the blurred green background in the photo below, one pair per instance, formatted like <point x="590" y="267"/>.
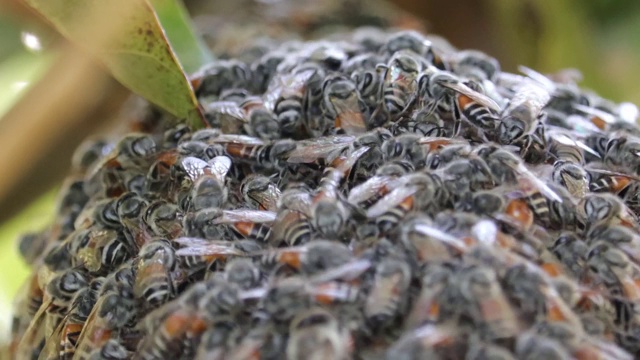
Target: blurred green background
<point x="601" y="38"/>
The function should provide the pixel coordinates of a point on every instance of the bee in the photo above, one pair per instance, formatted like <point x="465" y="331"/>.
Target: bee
<point x="440" y="88"/>
<point x="329" y="213"/>
<point x="172" y="137"/>
<point x="313" y="257"/>
<point x="492" y="202"/>
<point x="480" y="350"/>
<point x="368" y="81"/>
<point x="62" y="342"/>
<point x="172" y="326"/>
<point x="426" y="308"/>
<point x="519" y="123"/>
<point x="615" y="270"/>
<point x="288" y="97"/>
<point x="130" y="208"/>
<point x="476" y="65"/>
<point x="114" y="309"/>
<point x="243" y="272"/>
<point x="198" y="254"/>
<point x="343" y="104"/>
<point x="405" y="147"/>
<point x="163" y="219"/>
<point x="291" y="227"/>
<point x="251" y="113"/>
<point x="89" y="152"/>
<point x="259" y="191"/>
<point x="213" y="223"/>
<point x="409" y="41"/>
<point x="215" y="339"/>
<point x="254" y="151"/>
<point x="155" y="281"/>
<point x="99" y="250"/>
<point x="101" y="213"/>
<point x="622" y="237"/>
<point x="572" y="251"/>
<point x="487" y="303"/>
<point x="210" y="80"/>
<point x="387" y="298"/>
<point x="398" y="87"/>
<point x="316" y="332"/>
<point x="264" y="341"/>
<point x="605" y="208"/>
<point x="209" y="188"/>
<point x="57" y="297"/>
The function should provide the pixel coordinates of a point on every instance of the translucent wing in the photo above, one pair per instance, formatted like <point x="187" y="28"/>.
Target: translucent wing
<point x="522" y="170"/>
<point x="371" y="187"/>
<point x="197" y="248"/>
<point x="220" y="166"/>
<point x="605" y="116"/>
<point x="566" y="140"/>
<point x="229" y="108"/>
<point x="309" y="151"/>
<point x="539" y="78"/>
<point x="391" y="200"/>
<point x="441" y="236"/>
<point x="245" y="215"/>
<point x="349" y="271"/>
<point x="476" y="96"/>
<point x="194" y="167"/>
<point x="238" y="139"/>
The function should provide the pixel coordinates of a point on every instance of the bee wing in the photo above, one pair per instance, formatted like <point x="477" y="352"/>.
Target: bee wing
<point x="530" y="94"/>
<point x="441" y="236"/>
<point x="605" y="116"/>
<point x="245" y="215"/>
<point x="195" y="167"/>
<point x="34" y="331"/>
<point x="566" y="140"/>
<point x="238" y="139"/>
<point x="226" y="108"/>
<point x="220" y="166"/>
<point x="369" y="188"/>
<point x="614" y="173"/>
<point x="539" y="184"/>
<point x="257" y="293"/>
<point x="215" y="248"/>
<point x="349" y="271"/>
<point x="476" y="96"/>
<point x="309" y="151"/>
<point x="537" y="77"/>
<point x="347" y="162"/>
<point x="391" y="200"/>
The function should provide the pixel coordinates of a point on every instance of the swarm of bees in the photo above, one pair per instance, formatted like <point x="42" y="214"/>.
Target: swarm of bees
<point x="376" y="195"/>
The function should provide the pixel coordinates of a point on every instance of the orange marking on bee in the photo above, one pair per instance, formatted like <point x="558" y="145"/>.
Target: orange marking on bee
<point x="620" y="182"/>
<point x="244" y="228"/>
<point x="598" y="122"/>
<point x="464" y="101"/>
<point x="291" y="258"/>
<point x="434" y="310"/>
<point x="407" y="203"/>
<point x="520" y="211"/>
<point x="99" y="336"/>
<point x="324" y="293"/>
<point x="554" y="270"/>
<point x="177" y="323"/>
<point x="237" y="150"/>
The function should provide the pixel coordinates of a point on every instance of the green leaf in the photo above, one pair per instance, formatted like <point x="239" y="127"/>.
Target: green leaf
<point x="127" y="37"/>
<point x="191" y="50"/>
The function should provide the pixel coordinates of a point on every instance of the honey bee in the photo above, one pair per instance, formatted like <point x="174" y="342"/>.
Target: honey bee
<point x="210" y="80"/>
<point x="251" y="113"/>
<point x="398" y="88"/>
<point x="155" y="281"/>
<point x="605" y="208"/>
<point x="387" y="298"/>
<point x="329" y="213"/>
<point x="440" y="88"/>
<point x="343" y="104"/>
<point x="215" y="339"/>
<point x="209" y="189"/>
<point x="247" y="149"/>
<point x="615" y="270"/>
<point x="317" y="334"/>
<point x="99" y="250"/>
<point x="313" y="257"/>
<point x="199" y="253"/>
<point x="62" y="342"/>
<point x="259" y="191"/>
<point x="530" y="345"/>
<point x="130" y="208"/>
<point x="163" y="219"/>
<point x="213" y="223"/>
<point x="426" y="308"/>
<point x="487" y="302"/>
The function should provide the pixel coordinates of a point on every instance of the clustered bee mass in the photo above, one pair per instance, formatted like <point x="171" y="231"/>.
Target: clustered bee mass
<point x="376" y="195"/>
